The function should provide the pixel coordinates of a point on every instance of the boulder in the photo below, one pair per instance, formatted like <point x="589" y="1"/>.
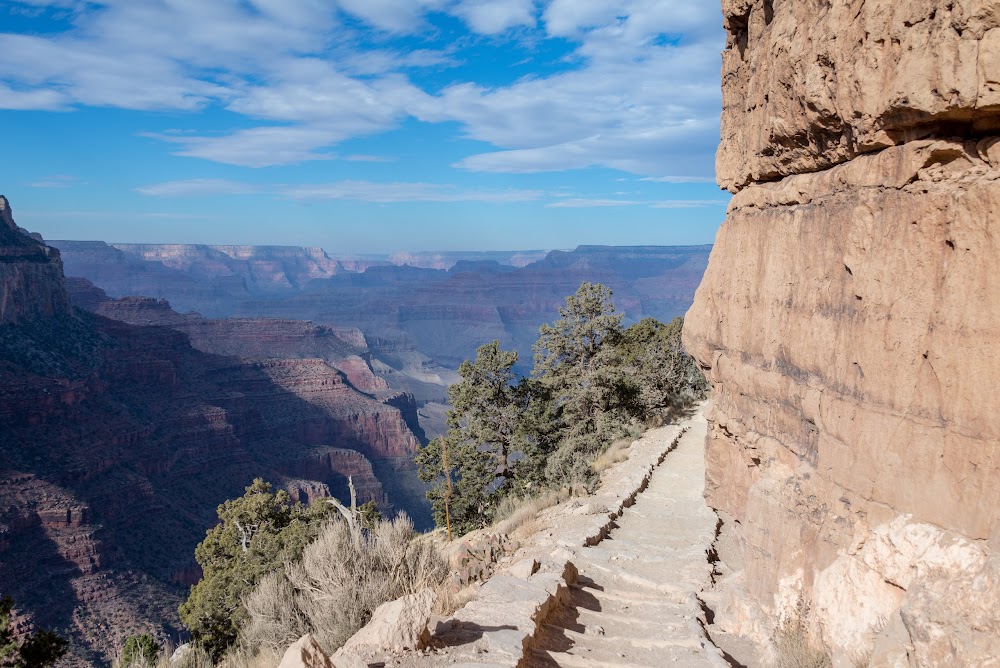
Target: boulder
<point x="306" y="653"/>
<point x="524" y="568"/>
<point x="396" y="626"/>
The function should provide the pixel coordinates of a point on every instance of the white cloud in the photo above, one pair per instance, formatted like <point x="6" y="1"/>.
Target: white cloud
<point x="57" y="181"/>
<point x="688" y="203"/>
<point x="679" y="179"/>
<point x="195" y="187"/>
<point x="399" y="16"/>
<point x="652" y="113"/>
<point x="361" y="157"/>
<point x="363" y="191"/>
<point x="489" y="17"/>
<point x="639" y="92"/>
<point x="259" y="147"/>
<point x="23" y="100"/>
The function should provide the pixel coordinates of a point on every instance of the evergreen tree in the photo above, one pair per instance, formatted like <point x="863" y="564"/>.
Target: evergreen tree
<point x="140" y="649"/>
<point x="664" y="375"/>
<point x="38" y="650"/>
<point x="255" y="535"/>
<point x="576" y="362"/>
<point x="593" y="382"/>
<point x="473" y="466"/>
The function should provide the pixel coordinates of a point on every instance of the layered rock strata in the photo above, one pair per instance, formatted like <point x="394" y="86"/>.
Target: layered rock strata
<point x="30" y="274"/>
<point x="119" y="440"/>
<point x="848" y="323"/>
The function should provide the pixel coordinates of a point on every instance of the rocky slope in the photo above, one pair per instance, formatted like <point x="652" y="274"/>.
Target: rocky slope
<point x="849" y="327"/>
<point x="118" y="440"/>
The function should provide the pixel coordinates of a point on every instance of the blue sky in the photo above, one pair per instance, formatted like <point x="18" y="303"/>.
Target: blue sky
<point x="363" y="125"/>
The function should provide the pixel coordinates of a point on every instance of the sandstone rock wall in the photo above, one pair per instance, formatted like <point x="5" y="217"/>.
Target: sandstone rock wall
<point x="850" y="327"/>
<point x="30" y="274"/>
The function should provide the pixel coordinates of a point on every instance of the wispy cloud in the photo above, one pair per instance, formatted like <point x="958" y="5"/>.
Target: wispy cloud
<point x="311" y="74"/>
<point x="359" y="157"/>
<point x="57" y="181"/>
<point x="688" y="203"/>
<point x="362" y="191"/>
<point x="679" y="179"/>
<point x="196" y="187"/>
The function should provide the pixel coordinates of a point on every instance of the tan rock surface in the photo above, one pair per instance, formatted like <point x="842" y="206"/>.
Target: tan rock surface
<point x="395" y="626"/>
<point x="850" y="327"/>
<point x="305" y="653"/>
<point x="652" y="497"/>
<point x="809" y="85"/>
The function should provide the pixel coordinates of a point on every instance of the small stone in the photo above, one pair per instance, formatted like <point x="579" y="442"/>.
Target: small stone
<point x="306" y="653"/>
<point x="525" y="568"/>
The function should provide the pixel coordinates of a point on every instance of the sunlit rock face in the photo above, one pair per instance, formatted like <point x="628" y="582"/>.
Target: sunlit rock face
<point x="849" y="326"/>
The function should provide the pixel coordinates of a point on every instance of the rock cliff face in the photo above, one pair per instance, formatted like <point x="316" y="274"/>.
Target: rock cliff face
<point x="264" y="268"/>
<point x="30" y="274"/>
<point x="849" y="326"/>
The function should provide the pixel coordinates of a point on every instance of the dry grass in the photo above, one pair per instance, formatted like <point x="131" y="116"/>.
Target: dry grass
<point x="794" y="649"/>
<point x="194" y="657"/>
<point x="618" y="452"/>
<point x="516" y="513"/>
<point x="241" y="658"/>
<point x="450" y="599"/>
<point x="275" y="620"/>
<point x="343" y="576"/>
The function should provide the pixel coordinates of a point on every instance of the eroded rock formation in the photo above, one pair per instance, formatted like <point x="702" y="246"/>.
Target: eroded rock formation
<point x="30" y="274"/>
<point x="417" y="320"/>
<point x="849" y="326"/>
<point x="119" y="439"/>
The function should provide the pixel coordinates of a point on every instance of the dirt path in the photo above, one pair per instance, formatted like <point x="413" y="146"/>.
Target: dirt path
<point x="635" y="602"/>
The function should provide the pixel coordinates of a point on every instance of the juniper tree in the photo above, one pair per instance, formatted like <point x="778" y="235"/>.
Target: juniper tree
<point x="255" y="535"/>
<point x="140" y="649"/>
<point x="480" y="459"/>
<point x="662" y="373"/>
<point x="576" y="362"/>
<point x="37" y="650"/>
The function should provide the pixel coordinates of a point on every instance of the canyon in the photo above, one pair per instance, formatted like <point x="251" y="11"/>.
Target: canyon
<point x="848" y="325"/>
<point x="145" y="384"/>
<point x="122" y="427"/>
<point x="420" y="322"/>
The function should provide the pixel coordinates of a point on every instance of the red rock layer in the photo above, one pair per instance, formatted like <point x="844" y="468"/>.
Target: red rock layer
<point x="118" y="441"/>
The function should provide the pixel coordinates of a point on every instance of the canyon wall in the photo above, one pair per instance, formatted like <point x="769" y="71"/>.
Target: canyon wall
<point x="849" y="324"/>
<point x="28" y="271"/>
<point x="421" y="319"/>
<point x="122" y="429"/>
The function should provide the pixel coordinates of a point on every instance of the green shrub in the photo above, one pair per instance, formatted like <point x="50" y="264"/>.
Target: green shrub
<point x="38" y="650"/>
<point x="256" y="535"/>
<point x="140" y="650"/>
